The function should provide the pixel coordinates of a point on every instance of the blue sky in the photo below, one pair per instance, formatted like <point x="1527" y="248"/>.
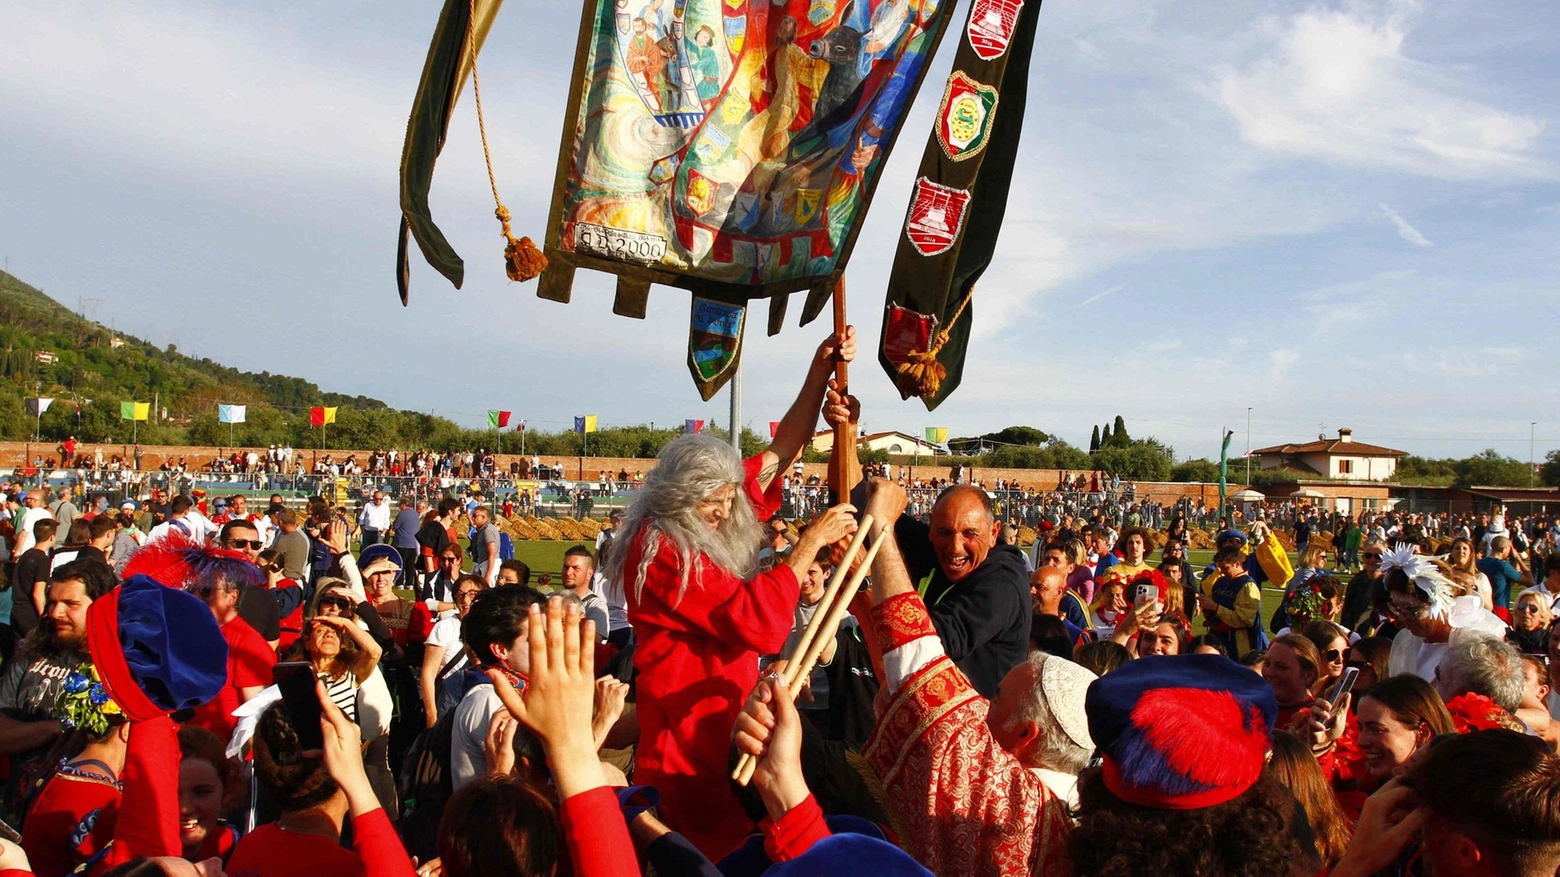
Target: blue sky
<point x="1337" y="214"/>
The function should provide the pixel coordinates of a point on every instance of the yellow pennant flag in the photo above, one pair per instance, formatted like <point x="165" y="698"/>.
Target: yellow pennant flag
<point x="135" y="410"/>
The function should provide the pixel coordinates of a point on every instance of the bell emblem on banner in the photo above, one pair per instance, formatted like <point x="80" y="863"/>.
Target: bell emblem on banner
<point x="936" y="217"/>
<point x="991" y="26"/>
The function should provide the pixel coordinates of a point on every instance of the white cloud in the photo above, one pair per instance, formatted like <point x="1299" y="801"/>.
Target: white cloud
<point x="1101" y="294"/>
<point x="1405" y="231"/>
<point x="1282" y="361"/>
<point x="1336" y="85"/>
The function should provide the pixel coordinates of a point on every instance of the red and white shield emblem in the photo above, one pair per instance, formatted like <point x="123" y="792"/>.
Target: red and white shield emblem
<point x="991" y="26"/>
<point x="936" y="217"/>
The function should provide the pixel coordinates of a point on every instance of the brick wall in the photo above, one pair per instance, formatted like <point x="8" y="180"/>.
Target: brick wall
<point x="152" y="456"/>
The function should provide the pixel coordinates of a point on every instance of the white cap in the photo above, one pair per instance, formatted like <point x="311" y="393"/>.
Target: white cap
<point x="1065" y="685"/>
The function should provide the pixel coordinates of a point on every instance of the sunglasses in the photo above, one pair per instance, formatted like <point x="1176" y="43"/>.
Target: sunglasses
<point x="256" y="544"/>
<point x="275" y="567"/>
<point x="1370" y="556"/>
<point x="1358" y="665"/>
<point x="1332" y="655"/>
<point x="1404" y="611"/>
<point x="449" y="560"/>
<point x="340" y="603"/>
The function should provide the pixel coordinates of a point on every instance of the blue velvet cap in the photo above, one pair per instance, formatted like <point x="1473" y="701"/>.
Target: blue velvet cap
<point x="1237" y="535"/>
<point x="157" y="649"/>
<point x="1181" y="732"/>
<point x="851" y="854"/>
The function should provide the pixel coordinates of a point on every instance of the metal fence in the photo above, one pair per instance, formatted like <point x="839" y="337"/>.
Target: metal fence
<point x="543" y="498"/>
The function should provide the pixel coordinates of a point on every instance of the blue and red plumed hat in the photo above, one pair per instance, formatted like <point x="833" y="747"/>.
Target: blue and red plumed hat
<point x="157" y="649"/>
<point x="178" y="561"/>
<point x="1181" y="732"/>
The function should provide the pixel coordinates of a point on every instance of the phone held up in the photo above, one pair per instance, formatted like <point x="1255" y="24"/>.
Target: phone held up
<point x="296" y="680"/>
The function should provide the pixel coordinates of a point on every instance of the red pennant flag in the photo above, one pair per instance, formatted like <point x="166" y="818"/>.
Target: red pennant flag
<point x="774" y="427"/>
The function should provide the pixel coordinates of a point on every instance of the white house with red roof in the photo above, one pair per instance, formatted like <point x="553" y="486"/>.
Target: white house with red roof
<point x="894" y="442"/>
<point x="1336" y="459"/>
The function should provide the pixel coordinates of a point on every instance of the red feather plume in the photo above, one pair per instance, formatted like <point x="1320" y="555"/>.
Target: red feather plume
<point x="1204" y="735"/>
<point x="166" y="559"/>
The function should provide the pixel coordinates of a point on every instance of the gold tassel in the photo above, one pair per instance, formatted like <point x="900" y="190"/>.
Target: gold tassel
<point x="522" y="260"/>
<point x="921" y="374"/>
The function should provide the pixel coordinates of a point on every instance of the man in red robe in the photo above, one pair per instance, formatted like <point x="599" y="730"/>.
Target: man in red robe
<point x="701" y="611"/>
<point x="959" y="793"/>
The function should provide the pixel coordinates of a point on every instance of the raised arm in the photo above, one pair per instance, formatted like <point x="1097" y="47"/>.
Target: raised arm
<point x="796" y="427"/>
<point x="557" y="709"/>
<point x="427" y="681"/>
<point x="369" y="651"/>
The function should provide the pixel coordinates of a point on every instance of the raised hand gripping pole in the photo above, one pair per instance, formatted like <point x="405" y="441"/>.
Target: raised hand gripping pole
<point x="823" y="627"/>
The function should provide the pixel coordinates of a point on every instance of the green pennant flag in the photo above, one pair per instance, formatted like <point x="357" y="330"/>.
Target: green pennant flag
<point x="1224" y="468"/>
<point x="958" y="201"/>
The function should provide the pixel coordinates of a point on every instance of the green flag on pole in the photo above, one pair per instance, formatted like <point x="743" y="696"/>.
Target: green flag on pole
<point x="1224" y="468"/>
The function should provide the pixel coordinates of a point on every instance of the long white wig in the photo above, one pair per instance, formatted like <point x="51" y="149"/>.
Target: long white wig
<point x="687" y="471"/>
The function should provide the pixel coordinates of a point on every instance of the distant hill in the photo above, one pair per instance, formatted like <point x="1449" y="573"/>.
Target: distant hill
<point x="48" y="350"/>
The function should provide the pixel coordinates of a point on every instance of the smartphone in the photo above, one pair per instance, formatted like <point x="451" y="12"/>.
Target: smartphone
<point x="1345" y="685"/>
<point x="1144" y="593"/>
<point x="296" y="680"/>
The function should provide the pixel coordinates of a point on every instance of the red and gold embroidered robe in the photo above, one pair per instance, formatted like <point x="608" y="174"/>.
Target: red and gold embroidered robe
<point x="966" y="804"/>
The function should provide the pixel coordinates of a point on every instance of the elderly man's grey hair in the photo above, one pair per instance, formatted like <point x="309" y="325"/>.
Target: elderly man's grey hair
<point x="687" y="471"/>
<point x="1478" y="663"/>
<point x="1057" y="751"/>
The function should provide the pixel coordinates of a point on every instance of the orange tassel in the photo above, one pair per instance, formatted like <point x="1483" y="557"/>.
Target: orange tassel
<point x="921" y="374"/>
<point x="523" y="261"/>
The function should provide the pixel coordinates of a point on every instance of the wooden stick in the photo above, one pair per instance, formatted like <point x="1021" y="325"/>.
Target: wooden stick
<point x="843" y="454"/>
<point x="836" y="581"/>
<point x="797" y="673"/>
<point x="827" y="626"/>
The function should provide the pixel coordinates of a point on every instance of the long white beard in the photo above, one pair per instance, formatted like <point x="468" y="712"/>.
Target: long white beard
<point x="733" y="547"/>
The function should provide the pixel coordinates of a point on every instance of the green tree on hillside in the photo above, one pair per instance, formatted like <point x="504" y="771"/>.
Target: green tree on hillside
<point x="1549" y="473"/>
<point x="1492" y="469"/>
<point x="1142" y="460"/>
<point x="1195" y="471"/>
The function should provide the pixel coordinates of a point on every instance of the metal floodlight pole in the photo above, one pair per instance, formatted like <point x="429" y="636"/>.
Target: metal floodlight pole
<point x="736" y="408"/>
<point x="1248" y="445"/>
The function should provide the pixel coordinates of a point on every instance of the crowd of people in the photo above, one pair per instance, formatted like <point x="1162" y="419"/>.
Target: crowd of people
<point x="195" y="687"/>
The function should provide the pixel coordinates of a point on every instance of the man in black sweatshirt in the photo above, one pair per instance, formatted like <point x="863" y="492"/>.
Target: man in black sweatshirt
<point x="977" y="591"/>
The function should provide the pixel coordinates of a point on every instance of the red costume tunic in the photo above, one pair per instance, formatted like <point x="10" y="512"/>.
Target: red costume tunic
<point x="250" y="663"/>
<point x="698" y="659"/>
<point x="270" y="851"/>
<point x="70" y="820"/>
